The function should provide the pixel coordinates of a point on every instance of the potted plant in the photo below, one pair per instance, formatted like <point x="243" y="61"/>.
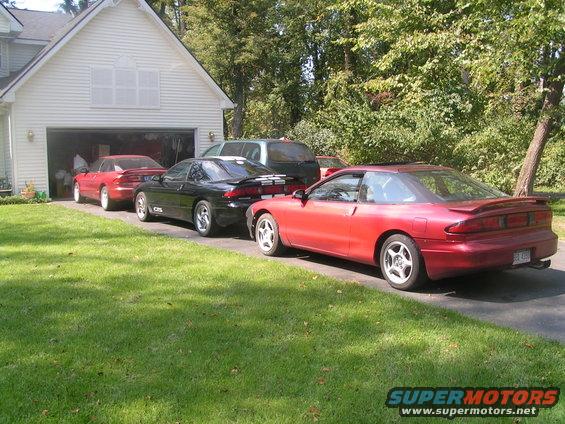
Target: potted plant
<point x="29" y="190"/>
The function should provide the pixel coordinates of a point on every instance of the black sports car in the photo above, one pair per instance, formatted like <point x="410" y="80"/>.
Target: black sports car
<point x="210" y="192"/>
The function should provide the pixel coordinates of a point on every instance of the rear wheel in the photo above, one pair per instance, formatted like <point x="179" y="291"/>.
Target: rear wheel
<point x="402" y="264"/>
<point x="76" y="193"/>
<point x="105" y="201"/>
<point x="267" y="236"/>
<point x="142" y="208"/>
<point x="204" y="219"/>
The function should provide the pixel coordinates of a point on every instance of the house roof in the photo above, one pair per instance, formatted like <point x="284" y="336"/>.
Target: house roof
<point x="40" y="26"/>
<point x="9" y="85"/>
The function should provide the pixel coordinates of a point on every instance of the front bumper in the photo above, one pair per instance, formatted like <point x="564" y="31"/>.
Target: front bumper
<point x="450" y="258"/>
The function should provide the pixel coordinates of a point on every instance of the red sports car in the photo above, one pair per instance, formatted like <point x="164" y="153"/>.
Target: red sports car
<point x="329" y="165"/>
<point x="413" y="221"/>
<point x="112" y="179"/>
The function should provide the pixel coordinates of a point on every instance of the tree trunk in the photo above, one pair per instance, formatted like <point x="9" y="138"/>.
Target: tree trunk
<point x="525" y="184"/>
<point x="239" y="110"/>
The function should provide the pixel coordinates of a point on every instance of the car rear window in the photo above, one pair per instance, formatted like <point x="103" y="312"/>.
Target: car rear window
<point x="290" y="152"/>
<point x="135" y="163"/>
<point x="331" y="163"/>
<point x="450" y="186"/>
<point x="244" y="168"/>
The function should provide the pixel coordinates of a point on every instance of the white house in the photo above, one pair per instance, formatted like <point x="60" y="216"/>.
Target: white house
<point x="113" y="80"/>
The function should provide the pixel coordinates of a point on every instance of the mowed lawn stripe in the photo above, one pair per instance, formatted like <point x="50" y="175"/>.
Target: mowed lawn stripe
<point x="104" y="322"/>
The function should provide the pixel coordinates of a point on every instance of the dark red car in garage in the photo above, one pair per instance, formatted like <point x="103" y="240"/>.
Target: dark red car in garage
<point x="413" y="221"/>
<point x="112" y="179"/>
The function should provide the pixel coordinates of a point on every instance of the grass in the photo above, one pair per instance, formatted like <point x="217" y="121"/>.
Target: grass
<point x="558" y="207"/>
<point x="103" y="322"/>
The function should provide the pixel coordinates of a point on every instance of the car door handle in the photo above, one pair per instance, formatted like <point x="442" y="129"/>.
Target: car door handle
<point x="351" y="211"/>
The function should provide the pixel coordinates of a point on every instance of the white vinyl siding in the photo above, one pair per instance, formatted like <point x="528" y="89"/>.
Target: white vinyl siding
<point x="4" y="59"/>
<point x="124" y="88"/>
<point x="58" y="95"/>
<point x="21" y="55"/>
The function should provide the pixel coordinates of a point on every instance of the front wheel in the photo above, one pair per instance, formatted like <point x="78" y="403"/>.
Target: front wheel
<point x="402" y="263"/>
<point x="105" y="201"/>
<point x="204" y="219"/>
<point x="267" y="236"/>
<point x="76" y="194"/>
<point x="142" y="208"/>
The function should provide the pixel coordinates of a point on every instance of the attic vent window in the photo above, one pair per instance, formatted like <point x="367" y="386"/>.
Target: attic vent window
<point x="125" y="87"/>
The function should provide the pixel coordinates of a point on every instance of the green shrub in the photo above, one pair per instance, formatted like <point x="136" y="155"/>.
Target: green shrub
<point x="322" y="141"/>
<point x="551" y="173"/>
<point x="20" y="200"/>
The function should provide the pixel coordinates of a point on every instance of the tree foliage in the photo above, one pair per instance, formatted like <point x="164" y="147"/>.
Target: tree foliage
<point x="460" y="83"/>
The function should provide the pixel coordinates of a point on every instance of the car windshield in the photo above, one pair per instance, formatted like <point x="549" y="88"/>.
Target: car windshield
<point x="290" y="152"/>
<point x="331" y="163"/>
<point x="452" y="186"/>
<point x="124" y="164"/>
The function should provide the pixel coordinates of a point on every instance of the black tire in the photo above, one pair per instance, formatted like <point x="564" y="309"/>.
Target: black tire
<point x="206" y="227"/>
<point x="402" y="263"/>
<point x="267" y="236"/>
<point x="76" y="193"/>
<point x="105" y="201"/>
<point x="142" y="207"/>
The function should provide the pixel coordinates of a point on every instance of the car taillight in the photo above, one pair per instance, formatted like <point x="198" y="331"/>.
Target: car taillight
<point x="263" y="190"/>
<point x="330" y="171"/>
<point x="476" y="225"/>
<point x="502" y="222"/>
<point x="543" y="217"/>
<point x="128" y="179"/>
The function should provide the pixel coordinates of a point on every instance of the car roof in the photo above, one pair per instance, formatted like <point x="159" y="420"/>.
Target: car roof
<point x="236" y="158"/>
<point x="263" y="141"/>
<point x="123" y="157"/>
<point x="398" y="168"/>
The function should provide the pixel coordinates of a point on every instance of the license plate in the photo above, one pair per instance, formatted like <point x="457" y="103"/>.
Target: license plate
<point x="522" y="257"/>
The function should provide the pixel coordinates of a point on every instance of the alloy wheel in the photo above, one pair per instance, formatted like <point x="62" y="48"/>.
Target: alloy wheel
<point x="140" y="206"/>
<point x="76" y="192"/>
<point x="398" y="262"/>
<point x="266" y="235"/>
<point x="104" y="197"/>
<point x="202" y="218"/>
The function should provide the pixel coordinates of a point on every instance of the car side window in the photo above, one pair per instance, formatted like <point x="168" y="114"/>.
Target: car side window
<point x="177" y="172"/>
<point x="213" y="151"/>
<point x="197" y="172"/>
<point x="252" y="151"/>
<point x="344" y="188"/>
<point x="232" y="148"/>
<point x="95" y="167"/>
<point x="385" y="187"/>
<point x="107" y="166"/>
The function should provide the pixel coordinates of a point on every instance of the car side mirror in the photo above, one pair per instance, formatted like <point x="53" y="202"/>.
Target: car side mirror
<point x="157" y="178"/>
<point x="83" y="170"/>
<point x="300" y="194"/>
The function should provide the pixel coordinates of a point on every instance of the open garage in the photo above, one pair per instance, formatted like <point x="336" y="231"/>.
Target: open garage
<point x="166" y="146"/>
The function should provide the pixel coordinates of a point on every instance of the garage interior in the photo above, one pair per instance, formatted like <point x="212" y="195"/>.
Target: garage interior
<point x="166" y="146"/>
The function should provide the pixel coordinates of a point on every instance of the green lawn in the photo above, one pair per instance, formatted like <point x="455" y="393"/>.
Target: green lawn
<point x="558" y="207"/>
<point x="103" y="322"/>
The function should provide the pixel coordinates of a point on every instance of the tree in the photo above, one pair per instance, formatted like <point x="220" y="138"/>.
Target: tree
<point x="73" y="8"/>
<point x="232" y="39"/>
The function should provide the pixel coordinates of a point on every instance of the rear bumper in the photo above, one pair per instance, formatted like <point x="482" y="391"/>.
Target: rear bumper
<point x="449" y="258"/>
<point x="232" y="212"/>
<point x="121" y="194"/>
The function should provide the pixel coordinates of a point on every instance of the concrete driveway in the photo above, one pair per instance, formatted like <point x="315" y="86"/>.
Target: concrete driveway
<point x="524" y="299"/>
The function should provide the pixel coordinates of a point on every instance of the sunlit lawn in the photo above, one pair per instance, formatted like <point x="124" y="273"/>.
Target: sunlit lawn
<point x="102" y="322"/>
<point x="558" y="207"/>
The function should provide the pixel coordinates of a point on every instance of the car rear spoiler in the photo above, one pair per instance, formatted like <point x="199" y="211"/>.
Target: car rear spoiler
<point x="149" y="171"/>
<point x="266" y="179"/>
<point x="498" y="203"/>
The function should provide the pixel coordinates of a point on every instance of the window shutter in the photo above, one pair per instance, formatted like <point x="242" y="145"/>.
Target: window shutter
<point x="126" y="87"/>
<point x="102" y="86"/>
<point x="149" y="88"/>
